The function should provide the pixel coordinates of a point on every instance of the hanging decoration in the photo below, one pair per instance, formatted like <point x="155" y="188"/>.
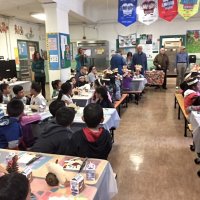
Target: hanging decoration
<point x="168" y="9"/>
<point x="188" y="8"/>
<point x="147" y="11"/>
<point x="127" y="12"/>
<point x="30" y="35"/>
<point x="19" y="30"/>
<point x="3" y="27"/>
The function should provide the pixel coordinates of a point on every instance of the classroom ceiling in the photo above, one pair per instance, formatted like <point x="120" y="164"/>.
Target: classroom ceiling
<point x="21" y="9"/>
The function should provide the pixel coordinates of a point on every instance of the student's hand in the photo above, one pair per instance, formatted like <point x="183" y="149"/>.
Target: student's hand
<point x="175" y="70"/>
<point x="159" y="66"/>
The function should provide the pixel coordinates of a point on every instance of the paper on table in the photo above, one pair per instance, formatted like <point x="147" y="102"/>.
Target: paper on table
<point x="25" y="158"/>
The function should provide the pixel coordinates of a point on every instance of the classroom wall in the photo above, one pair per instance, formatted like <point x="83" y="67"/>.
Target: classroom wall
<point x="8" y="41"/>
<point x="110" y="30"/>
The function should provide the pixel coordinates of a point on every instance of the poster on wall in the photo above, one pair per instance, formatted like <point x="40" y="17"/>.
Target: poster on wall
<point x="193" y="41"/>
<point x="147" y="11"/>
<point x="127" y="12"/>
<point x="167" y="9"/>
<point x="65" y="55"/>
<point x="145" y="39"/>
<point x="23" y="51"/>
<point x="188" y="8"/>
<point x="53" y="52"/>
<point x="127" y="41"/>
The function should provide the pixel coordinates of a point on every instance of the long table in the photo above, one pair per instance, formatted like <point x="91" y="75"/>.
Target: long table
<point x="195" y="122"/>
<point x="138" y="84"/>
<point x="103" y="188"/>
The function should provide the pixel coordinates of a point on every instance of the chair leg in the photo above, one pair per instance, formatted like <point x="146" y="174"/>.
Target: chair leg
<point x="186" y="124"/>
<point x="127" y="102"/>
<point x="119" y="110"/>
<point x="174" y="102"/>
<point x="179" y="112"/>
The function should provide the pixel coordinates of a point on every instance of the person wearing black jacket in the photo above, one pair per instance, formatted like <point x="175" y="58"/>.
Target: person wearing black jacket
<point x="91" y="142"/>
<point x="56" y="136"/>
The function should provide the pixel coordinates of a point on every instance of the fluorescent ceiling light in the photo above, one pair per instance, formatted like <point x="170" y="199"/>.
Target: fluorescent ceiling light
<point x="40" y="16"/>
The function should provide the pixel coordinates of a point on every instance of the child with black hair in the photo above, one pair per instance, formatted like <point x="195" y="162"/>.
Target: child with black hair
<point x="81" y="81"/>
<point x="114" y="89"/>
<point x="93" y="141"/>
<point x="19" y="94"/>
<point x="10" y="129"/>
<point x="55" y="105"/>
<point x="37" y="98"/>
<point x="14" y="186"/>
<point x="102" y="96"/>
<point x="72" y="80"/>
<point x="56" y="136"/>
<point x="192" y="92"/>
<point x="5" y="89"/>
<point x="56" y="85"/>
<point x="65" y="93"/>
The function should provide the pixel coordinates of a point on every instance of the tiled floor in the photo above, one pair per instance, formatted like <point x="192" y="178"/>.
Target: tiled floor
<point x="150" y="155"/>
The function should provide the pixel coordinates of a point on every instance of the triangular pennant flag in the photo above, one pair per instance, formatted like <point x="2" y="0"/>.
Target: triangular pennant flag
<point x="147" y="11"/>
<point x="127" y="12"/>
<point x="188" y="8"/>
<point x="167" y="9"/>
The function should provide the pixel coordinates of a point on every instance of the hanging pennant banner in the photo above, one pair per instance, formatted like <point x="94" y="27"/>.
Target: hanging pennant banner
<point x="188" y="8"/>
<point x="147" y="11"/>
<point x="168" y="9"/>
<point x="127" y="12"/>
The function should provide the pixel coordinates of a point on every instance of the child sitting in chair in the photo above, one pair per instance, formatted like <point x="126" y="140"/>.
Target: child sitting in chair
<point x="92" y="141"/>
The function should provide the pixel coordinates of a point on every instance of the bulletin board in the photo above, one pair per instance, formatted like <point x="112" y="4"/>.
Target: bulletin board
<point x="53" y="51"/>
<point x="65" y="54"/>
<point x="193" y="41"/>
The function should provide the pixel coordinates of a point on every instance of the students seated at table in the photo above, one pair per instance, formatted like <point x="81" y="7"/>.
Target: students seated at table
<point x="192" y="92"/>
<point x="92" y="74"/>
<point x="65" y="93"/>
<point x="14" y="186"/>
<point x="5" y="89"/>
<point x="56" y="136"/>
<point x="81" y="81"/>
<point x="37" y="98"/>
<point x="56" y="85"/>
<point x="93" y="141"/>
<point x="102" y="96"/>
<point x="72" y="80"/>
<point x="18" y="90"/>
<point x="10" y="129"/>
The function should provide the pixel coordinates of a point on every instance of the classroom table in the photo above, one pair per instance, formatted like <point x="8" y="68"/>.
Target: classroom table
<point x="25" y="84"/>
<point x="83" y="99"/>
<point x="155" y="77"/>
<point x="138" y="84"/>
<point x="195" y="122"/>
<point x="111" y="117"/>
<point x="104" y="187"/>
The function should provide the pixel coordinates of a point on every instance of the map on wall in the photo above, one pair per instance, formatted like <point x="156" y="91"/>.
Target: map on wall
<point x="193" y="41"/>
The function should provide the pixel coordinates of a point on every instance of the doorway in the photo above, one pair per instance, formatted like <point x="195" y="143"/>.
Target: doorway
<point x="172" y="43"/>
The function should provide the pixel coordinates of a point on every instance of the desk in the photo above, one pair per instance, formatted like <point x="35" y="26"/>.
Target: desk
<point x="195" y="122"/>
<point x="103" y="188"/>
<point x="155" y="77"/>
<point x="25" y="84"/>
<point x="138" y="84"/>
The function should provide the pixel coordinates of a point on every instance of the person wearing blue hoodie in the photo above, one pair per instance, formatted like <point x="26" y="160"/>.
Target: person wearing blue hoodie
<point x="10" y="129"/>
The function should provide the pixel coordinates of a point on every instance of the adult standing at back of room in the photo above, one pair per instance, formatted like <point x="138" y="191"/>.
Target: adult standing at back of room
<point x="117" y="61"/>
<point x="38" y="69"/>
<point x="182" y="62"/>
<point x="81" y="59"/>
<point x="161" y="61"/>
<point x="140" y="58"/>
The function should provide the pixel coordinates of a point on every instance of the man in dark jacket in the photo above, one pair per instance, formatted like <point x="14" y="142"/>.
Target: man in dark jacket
<point x="161" y="61"/>
<point x="139" y="58"/>
<point x="91" y="142"/>
<point x="56" y="136"/>
<point x="117" y="61"/>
